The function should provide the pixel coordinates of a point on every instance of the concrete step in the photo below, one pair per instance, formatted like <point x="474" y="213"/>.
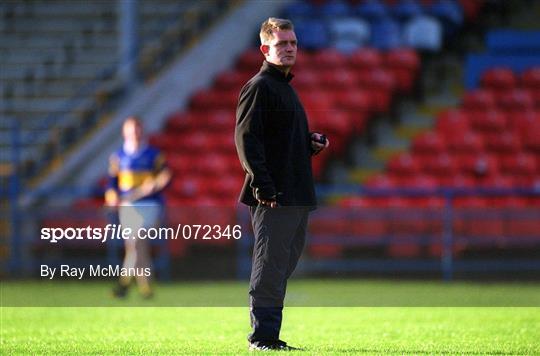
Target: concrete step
<point x="50" y="43"/>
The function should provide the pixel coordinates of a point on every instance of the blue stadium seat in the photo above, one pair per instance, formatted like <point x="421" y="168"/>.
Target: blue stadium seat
<point x="335" y="8"/>
<point x="312" y="34"/>
<point x="371" y="10"/>
<point x="406" y="9"/>
<point x="450" y="13"/>
<point x="300" y="10"/>
<point x="386" y="34"/>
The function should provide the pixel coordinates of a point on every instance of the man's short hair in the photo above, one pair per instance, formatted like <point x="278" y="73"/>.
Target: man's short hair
<point x="274" y="24"/>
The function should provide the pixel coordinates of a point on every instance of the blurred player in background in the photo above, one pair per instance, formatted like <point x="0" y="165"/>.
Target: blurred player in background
<point x="275" y="148"/>
<point x="138" y="174"/>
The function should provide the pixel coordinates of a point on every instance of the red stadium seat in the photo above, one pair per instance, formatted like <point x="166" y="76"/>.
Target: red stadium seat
<point x="458" y="181"/>
<point x="428" y="143"/>
<point x="515" y="101"/>
<point x="452" y="123"/>
<point x="163" y="141"/>
<point x="380" y="83"/>
<point x="193" y="142"/>
<point x="338" y="79"/>
<point x="522" y="166"/>
<point x="210" y="164"/>
<point x="180" y="163"/>
<point x="467" y="142"/>
<point x="316" y="101"/>
<point x="403" y="165"/>
<point x="480" y="164"/>
<point x="503" y="143"/>
<point x="521" y="122"/>
<point x="530" y="78"/>
<point x="187" y="187"/>
<point x="251" y="60"/>
<point x="365" y="58"/>
<point x="530" y="140"/>
<point x="440" y="165"/>
<point x="306" y="80"/>
<point x="353" y="100"/>
<point x="180" y="122"/>
<point x="488" y="121"/>
<point x="304" y="60"/>
<point x="479" y="99"/>
<point x="211" y="99"/>
<point x="404" y="64"/>
<point x="499" y="79"/>
<point x="329" y="58"/>
<point x="232" y="80"/>
<point x="219" y="120"/>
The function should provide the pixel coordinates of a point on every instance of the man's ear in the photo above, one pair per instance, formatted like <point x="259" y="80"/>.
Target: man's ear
<point x="264" y="49"/>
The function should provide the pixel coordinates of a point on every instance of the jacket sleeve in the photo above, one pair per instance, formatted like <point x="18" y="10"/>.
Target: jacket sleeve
<point x="249" y="138"/>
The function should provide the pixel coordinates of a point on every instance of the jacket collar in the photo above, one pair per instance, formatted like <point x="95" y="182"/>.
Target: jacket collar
<point x="276" y="73"/>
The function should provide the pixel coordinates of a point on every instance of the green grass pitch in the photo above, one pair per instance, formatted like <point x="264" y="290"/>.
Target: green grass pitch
<point x="401" y="325"/>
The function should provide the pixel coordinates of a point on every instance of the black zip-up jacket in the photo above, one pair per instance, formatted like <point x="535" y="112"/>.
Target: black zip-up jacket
<point x="273" y="141"/>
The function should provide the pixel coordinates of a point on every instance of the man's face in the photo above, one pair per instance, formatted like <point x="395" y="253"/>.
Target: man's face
<point x="132" y="131"/>
<point x="281" y="50"/>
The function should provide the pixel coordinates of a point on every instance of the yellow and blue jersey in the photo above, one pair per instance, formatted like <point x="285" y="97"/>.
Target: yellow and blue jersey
<point x="128" y="171"/>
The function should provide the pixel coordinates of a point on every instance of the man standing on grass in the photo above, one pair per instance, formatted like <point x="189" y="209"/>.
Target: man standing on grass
<point x="138" y="174"/>
<point x="275" y="148"/>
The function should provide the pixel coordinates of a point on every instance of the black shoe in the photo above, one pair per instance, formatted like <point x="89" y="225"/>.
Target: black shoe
<point x="271" y="346"/>
<point x="120" y="291"/>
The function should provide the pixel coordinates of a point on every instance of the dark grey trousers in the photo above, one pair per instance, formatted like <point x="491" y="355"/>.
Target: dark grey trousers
<point x="280" y="235"/>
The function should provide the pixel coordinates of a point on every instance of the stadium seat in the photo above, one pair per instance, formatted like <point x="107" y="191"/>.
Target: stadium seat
<point x="449" y="13"/>
<point x="300" y="10"/>
<point x="488" y="121"/>
<point x="403" y="165"/>
<point x="515" y="101"/>
<point x="214" y="99"/>
<point x="386" y="34"/>
<point x="355" y="101"/>
<point x="479" y="164"/>
<point x="530" y="78"/>
<point x="503" y="143"/>
<point x="380" y="84"/>
<point x="405" y="9"/>
<point x="371" y="10"/>
<point x="329" y="58"/>
<point x="251" y="60"/>
<point x="452" y="123"/>
<point x="180" y="163"/>
<point x="530" y="140"/>
<point x="349" y="34"/>
<point x="468" y="142"/>
<point x="181" y="122"/>
<point x="187" y="187"/>
<point x="403" y="64"/>
<point x="330" y="9"/>
<point x="478" y="100"/>
<point x="336" y="79"/>
<point x="499" y="79"/>
<point x="306" y="80"/>
<point x="365" y="59"/>
<point x="439" y="165"/>
<point x="520" y="164"/>
<point x="429" y="143"/>
<point x="312" y="34"/>
<point x="522" y="122"/>
<point x="457" y="181"/>
<point x="232" y="79"/>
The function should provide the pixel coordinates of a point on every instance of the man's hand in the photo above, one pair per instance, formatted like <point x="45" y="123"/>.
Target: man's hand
<point x="316" y="142"/>
<point x="270" y="203"/>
